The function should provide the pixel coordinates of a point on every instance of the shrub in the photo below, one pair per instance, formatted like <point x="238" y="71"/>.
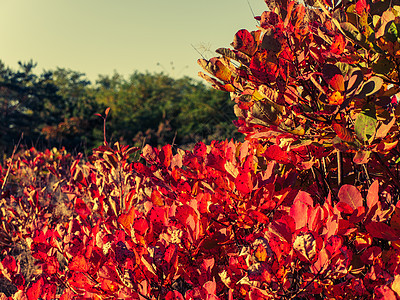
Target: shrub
<point x="305" y="208"/>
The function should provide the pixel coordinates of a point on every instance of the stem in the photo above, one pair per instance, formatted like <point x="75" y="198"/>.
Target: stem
<point x="367" y="174"/>
<point x="340" y="168"/>
<point x="104" y="131"/>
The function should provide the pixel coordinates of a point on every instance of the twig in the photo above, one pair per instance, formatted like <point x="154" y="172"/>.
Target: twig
<point x="340" y="168"/>
<point x="367" y="174"/>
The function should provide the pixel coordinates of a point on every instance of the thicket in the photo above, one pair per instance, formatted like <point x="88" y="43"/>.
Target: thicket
<point x="307" y="207"/>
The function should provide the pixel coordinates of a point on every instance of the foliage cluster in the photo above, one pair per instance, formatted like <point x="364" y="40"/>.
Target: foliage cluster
<point x="307" y="207"/>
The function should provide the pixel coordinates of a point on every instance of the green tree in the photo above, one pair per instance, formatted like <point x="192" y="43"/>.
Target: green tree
<point x="157" y="109"/>
<point x="25" y="101"/>
<point x="73" y="123"/>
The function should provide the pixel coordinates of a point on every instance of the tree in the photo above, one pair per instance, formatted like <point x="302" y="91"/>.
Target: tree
<point x="25" y="101"/>
<point x="72" y="122"/>
<point x="158" y="109"/>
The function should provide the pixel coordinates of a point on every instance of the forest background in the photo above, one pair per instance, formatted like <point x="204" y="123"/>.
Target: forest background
<point x="57" y="109"/>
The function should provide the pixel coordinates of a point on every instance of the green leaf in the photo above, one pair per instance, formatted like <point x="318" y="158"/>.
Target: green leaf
<point x="365" y="125"/>
<point x="383" y="66"/>
<point x="391" y="32"/>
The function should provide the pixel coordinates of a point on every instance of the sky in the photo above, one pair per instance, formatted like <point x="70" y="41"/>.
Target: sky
<point x="106" y="36"/>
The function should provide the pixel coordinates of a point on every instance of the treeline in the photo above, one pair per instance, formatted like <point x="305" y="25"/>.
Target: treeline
<point x="58" y="107"/>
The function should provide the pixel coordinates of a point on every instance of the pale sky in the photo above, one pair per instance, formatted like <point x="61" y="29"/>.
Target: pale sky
<point x="102" y="36"/>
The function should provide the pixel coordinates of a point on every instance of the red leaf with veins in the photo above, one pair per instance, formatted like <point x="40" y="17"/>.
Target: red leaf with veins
<point x="244" y="42"/>
<point x="276" y="153"/>
<point x="350" y="195"/>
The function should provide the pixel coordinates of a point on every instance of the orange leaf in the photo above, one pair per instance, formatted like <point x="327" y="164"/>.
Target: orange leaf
<point x="336" y="98"/>
<point x="261" y="253"/>
<point x="126" y="220"/>
<point x="339" y="44"/>
<point x="342" y="132"/>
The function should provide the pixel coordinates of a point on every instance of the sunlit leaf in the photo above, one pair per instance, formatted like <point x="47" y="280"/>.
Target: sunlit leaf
<point x="350" y="195"/>
<point x="342" y="132"/>
<point x="244" y="42"/>
<point x="126" y="220"/>
<point x="244" y="182"/>
<point x="306" y="245"/>
<point x="365" y="125"/>
<point x="335" y="98"/>
<point x="339" y="44"/>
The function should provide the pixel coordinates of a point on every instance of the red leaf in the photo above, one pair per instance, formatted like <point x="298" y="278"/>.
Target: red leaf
<point x="269" y="18"/>
<point x="81" y="208"/>
<point x="79" y="280"/>
<point x="107" y="111"/>
<point x="370" y="255"/>
<point x="264" y="66"/>
<point x="361" y="6"/>
<point x="244" y="182"/>
<point x="298" y="211"/>
<point x="373" y="194"/>
<point x="244" y="42"/>
<point x="158" y="215"/>
<point x="141" y="226"/>
<point x="35" y="291"/>
<point x="174" y="295"/>
<point x="166" y="155"/>
<point x="276" y="153"/>
<point x="350" y="195"/>
<point x="10" y="264"/>
<point x="342" y="132"/>
<point x="183" y="212"/>
<point x="339" y="44"/>
<point x="382" y="231"/>
<point x="51" y="265"/>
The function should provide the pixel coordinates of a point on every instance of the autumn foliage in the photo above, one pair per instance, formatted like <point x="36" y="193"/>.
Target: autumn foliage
<point x="307" y="207"/>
